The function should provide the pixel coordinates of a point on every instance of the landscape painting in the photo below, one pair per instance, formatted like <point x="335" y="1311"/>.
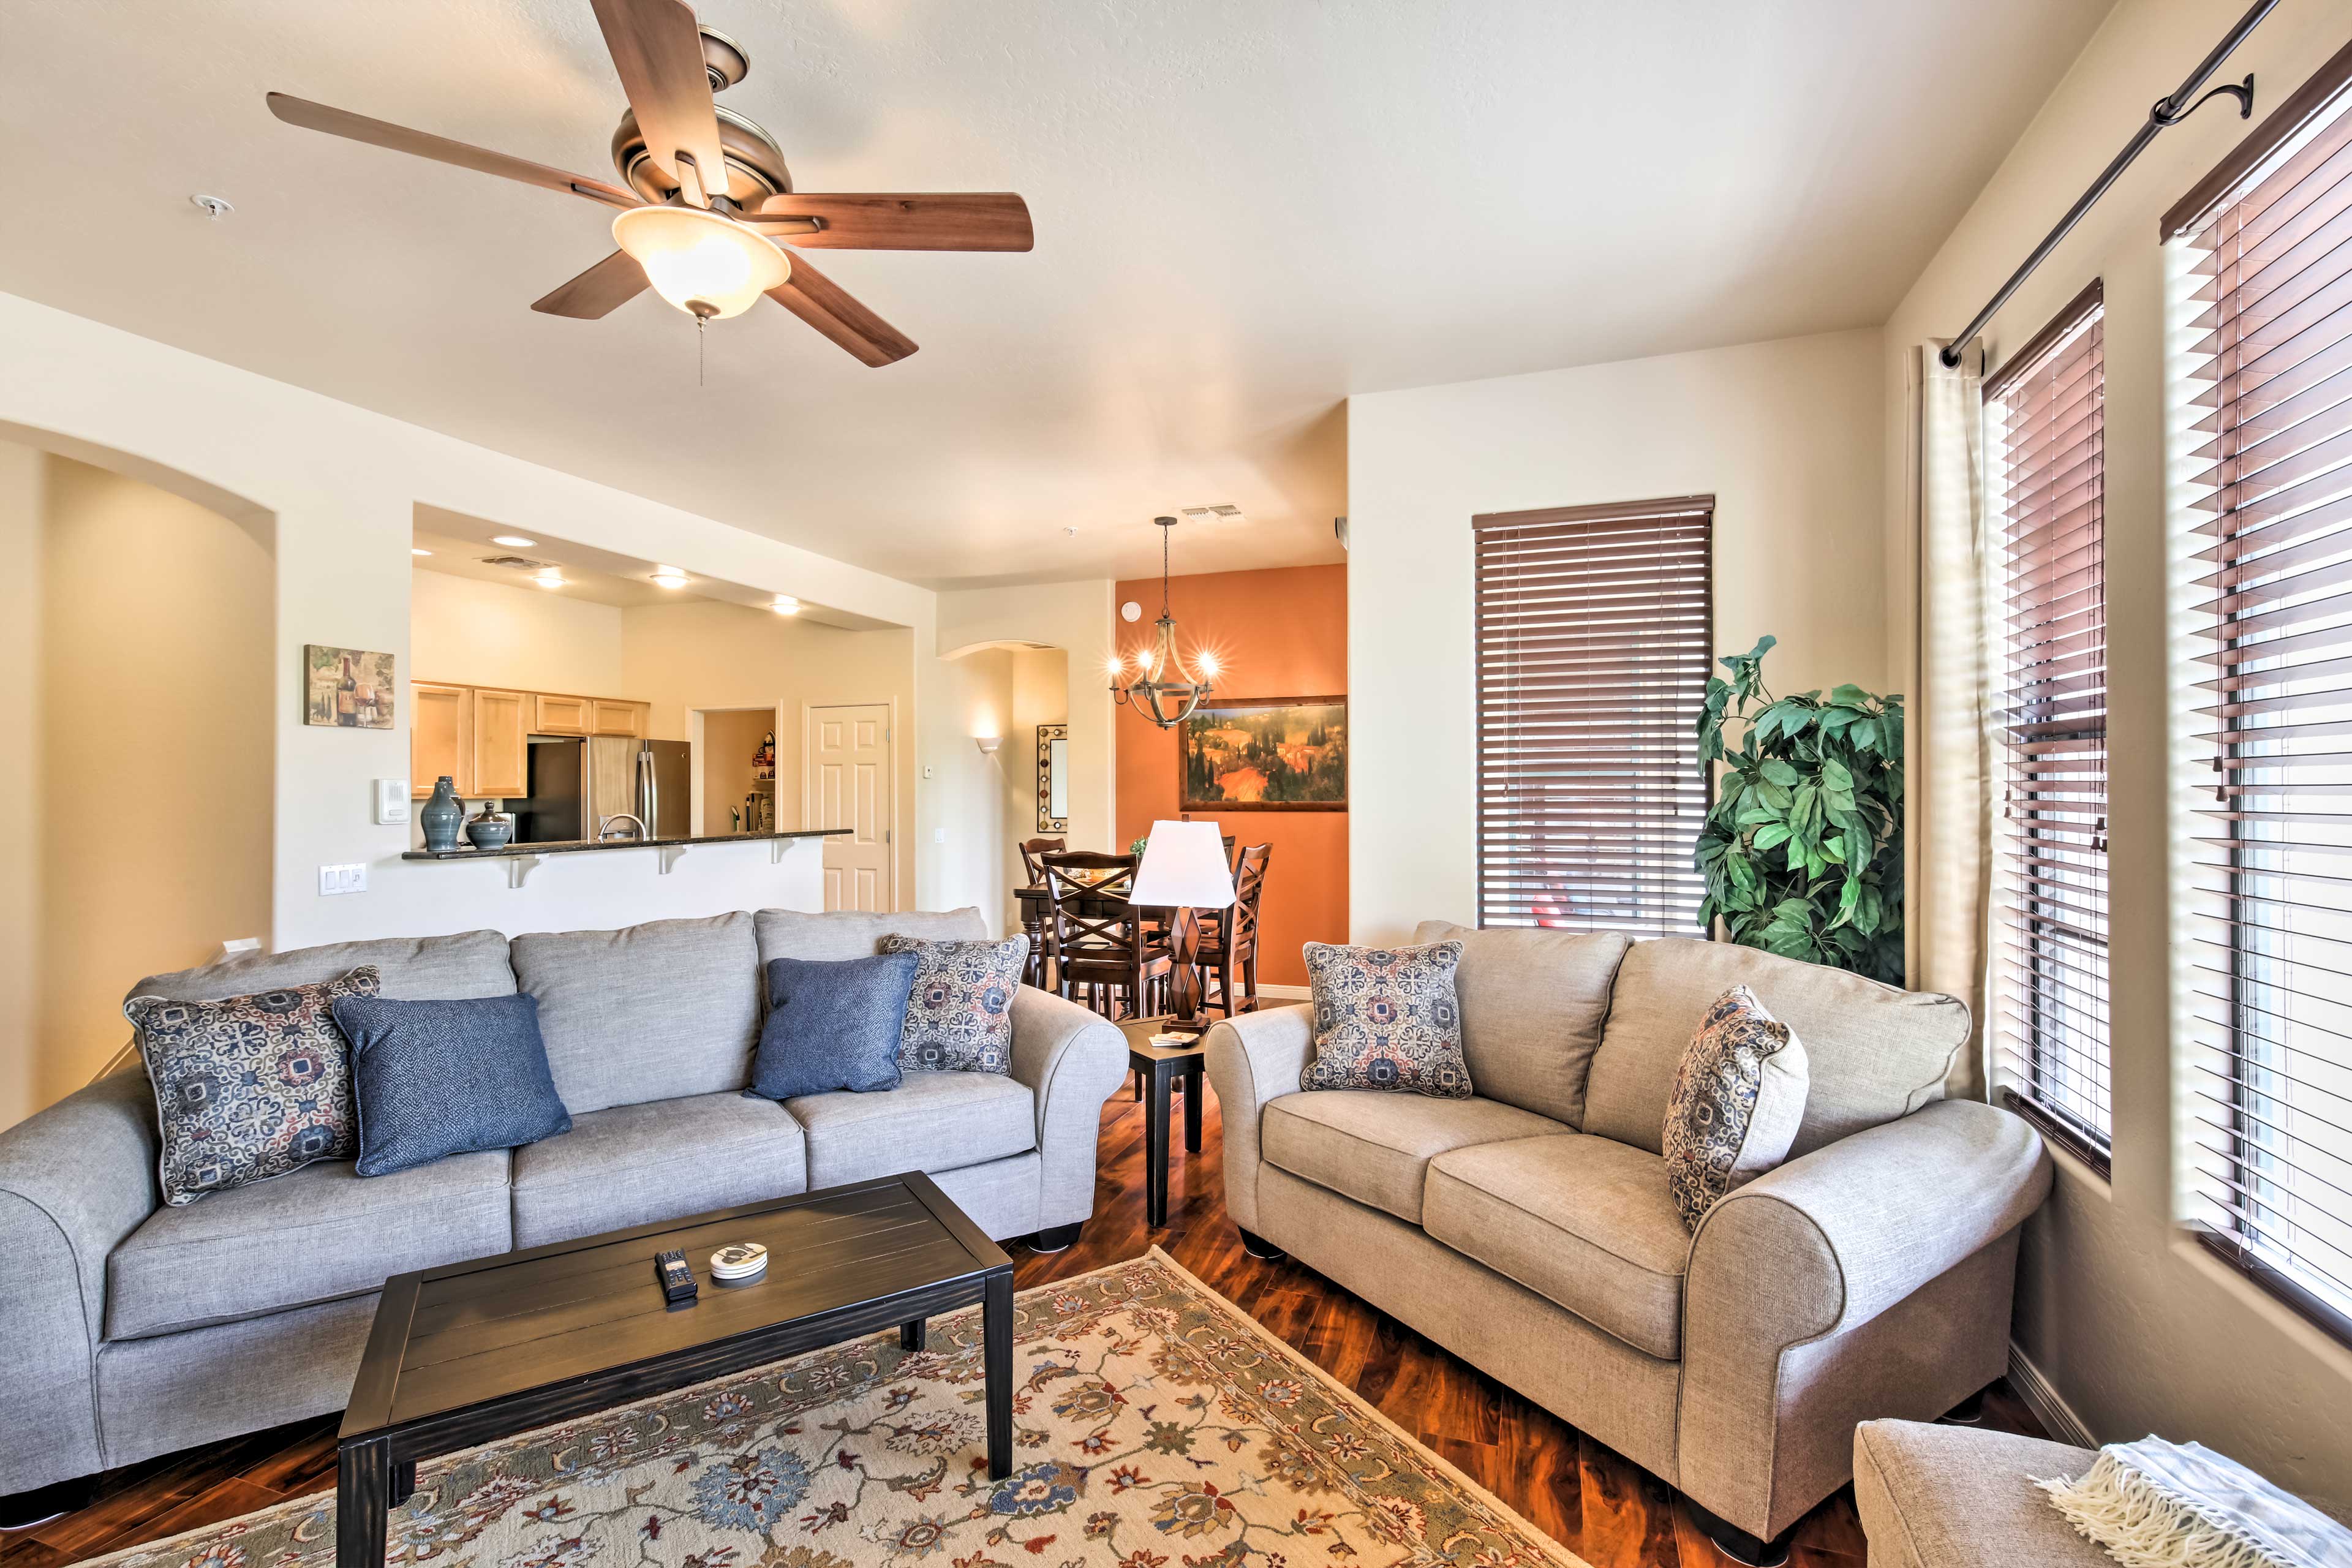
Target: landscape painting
<point x="347" y="687"/>
<point x="1282" y="754"/>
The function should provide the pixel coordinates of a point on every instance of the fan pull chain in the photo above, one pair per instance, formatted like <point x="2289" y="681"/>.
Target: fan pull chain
<point x="700" y="323"/>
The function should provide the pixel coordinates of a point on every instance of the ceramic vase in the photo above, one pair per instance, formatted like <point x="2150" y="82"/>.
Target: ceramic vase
<point x="442" y="817"/>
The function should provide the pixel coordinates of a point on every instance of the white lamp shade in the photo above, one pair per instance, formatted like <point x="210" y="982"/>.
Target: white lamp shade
<point x="1183" y="867"/>
<point x="696" y="257"/>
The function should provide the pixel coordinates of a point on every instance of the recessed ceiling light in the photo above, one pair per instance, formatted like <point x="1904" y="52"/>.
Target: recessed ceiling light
<point x="668" y="577"/>
<point x="786" y="605"/>
<point x="551" y="578"/>
<point x="512" y="541"/>
<point x="418" y="550"/>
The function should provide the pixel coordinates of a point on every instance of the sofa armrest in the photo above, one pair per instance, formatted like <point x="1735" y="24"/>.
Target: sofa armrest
<point x="1253" y="1058"/>
<point x="74" y="1181"/>
<point x="1856" y="1226"/>
<point x="1781" y="1347"/>
<point x="1072" y="1061"/>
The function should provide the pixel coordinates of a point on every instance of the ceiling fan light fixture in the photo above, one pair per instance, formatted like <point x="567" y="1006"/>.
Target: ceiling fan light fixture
<point x="703" y="263"/>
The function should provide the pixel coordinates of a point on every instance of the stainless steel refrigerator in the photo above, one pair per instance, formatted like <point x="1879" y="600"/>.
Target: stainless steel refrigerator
<point x="588" y="788"/>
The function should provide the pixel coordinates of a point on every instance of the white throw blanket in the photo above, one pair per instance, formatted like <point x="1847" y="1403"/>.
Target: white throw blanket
<point x="2154" y="1504"/>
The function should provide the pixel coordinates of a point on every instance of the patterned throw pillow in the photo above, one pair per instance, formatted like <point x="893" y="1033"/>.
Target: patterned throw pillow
<point x="1385" y="1018"/>
<point x="1738" y="1097"/>
<point x="959" y="1015"/>
<point x="250" y="1087"/>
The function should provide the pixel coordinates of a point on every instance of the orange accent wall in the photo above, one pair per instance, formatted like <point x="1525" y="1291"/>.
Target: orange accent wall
<point x="1280" y="633"/>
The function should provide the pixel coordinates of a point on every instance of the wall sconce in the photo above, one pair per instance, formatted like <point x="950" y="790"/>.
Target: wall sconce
<point x="988" y="743"/>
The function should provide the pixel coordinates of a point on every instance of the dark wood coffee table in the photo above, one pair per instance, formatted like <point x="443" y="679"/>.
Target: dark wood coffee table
<point x="483" y="1350"/>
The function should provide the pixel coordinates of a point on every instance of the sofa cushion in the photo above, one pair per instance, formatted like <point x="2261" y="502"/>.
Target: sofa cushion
<point x="437" y="1079"/>
<point x="410" y="968"/>
<point x="1376" y="1148"/>
<point x="314" y="1234"/>
<point x="855" y="933"/>
<point x="248" y="1087"/>
<point x="663" y="1159"/>
<point x="932" y="1122"/>
<point x="1584" y="1222"/>
<point x="1959" y="1497"/>
<point x="1532" y="1006"/>
<point x="1738" y="1101"/>
<point x="1386" y="1019"/>
<point x="1872" y="1053"/>
<point x="656" y="1011"/>
<point x="959" y="1012"/>
<point x="832" y="1024"/>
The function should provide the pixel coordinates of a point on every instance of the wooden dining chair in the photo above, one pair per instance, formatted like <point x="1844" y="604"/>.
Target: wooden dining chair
<point x="1235" y="953"/>
<point x="1033" y="921"/>
<point x="1098" y="941"/>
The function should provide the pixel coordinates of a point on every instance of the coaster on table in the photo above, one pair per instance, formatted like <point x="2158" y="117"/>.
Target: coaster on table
<point x="737" y="1260"/>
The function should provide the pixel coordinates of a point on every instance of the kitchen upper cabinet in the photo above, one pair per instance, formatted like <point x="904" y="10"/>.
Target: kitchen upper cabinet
<point x="502" y="722"/>
<point x="440" y="737"/>
<point x="608" y="718"/>
<point x="561" y="715"/>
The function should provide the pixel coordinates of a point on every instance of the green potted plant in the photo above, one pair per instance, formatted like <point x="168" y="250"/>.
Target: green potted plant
<point x="1802" y="850"/>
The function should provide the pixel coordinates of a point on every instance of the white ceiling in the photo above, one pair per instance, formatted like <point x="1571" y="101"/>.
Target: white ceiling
<point x="1246" y="209"/>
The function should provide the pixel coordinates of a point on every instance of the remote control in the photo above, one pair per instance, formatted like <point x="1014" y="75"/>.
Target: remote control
<point x="677" y="1279"/>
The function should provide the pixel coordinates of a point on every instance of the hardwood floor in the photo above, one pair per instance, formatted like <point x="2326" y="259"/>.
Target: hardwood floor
<point x="1598" y="1504"/>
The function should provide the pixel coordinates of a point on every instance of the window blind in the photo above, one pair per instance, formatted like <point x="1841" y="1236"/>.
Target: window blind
<point x="2046" y="437"/>
<point x="2273" y="874"/>
<point x="1594" y="631"/>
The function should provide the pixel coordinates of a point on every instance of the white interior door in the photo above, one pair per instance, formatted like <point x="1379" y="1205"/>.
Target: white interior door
<point x="849" y="778"/>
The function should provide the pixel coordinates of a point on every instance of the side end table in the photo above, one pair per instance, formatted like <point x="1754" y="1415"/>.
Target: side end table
<point x="1160" y="1067"/>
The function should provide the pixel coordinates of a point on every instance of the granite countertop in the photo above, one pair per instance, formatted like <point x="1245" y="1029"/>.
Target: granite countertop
<point x="594" y="846"/>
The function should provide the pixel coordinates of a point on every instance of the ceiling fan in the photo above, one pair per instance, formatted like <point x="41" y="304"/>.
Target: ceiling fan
<point x="705" y="192"/>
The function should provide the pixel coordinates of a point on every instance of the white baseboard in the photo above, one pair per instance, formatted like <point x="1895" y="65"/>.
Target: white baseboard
<point x="1285" y="992"/>
<point x="2057" y="1418"/>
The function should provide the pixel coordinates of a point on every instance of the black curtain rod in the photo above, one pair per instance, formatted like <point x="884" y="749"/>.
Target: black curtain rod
<point x="2167" y="110"/>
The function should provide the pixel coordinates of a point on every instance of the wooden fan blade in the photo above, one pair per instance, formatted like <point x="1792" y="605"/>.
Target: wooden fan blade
<point x="826" y="306"/>
<point x="342" y="122"/>
<point x="960" y="220"/>
<point x="604" y="287"/>
<point x="657" y="48"/>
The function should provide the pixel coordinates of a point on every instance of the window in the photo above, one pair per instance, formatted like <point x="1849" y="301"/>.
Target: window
<point x="2270" y="389"/>
<point x="2045" y="431"/>
<point x="1595" y="631"/>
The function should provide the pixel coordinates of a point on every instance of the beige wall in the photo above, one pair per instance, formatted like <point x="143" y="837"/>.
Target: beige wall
<point x="471" y="633"/>
<point x="703" y="653"/>
<point x="2137" y="1329"/>
<point x="1784" y="434"/>
<point x="1041" y="695"/>
<point x="155" y="685"/>
<point x="966" y="787"/>
<point x="21" y="472"/>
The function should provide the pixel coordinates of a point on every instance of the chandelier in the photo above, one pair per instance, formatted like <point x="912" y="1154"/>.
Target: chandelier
<point x="1164" y="689"/>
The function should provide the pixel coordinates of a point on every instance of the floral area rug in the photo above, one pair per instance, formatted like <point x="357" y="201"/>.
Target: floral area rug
<point x="1155" y="1426"/>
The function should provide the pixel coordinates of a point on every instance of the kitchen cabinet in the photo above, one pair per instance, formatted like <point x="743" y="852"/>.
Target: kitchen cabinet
<point x="440" y="737"/>
<point x="501" y="723"/>
<point x="607" y="718"/>
<point x="561" y="715"/>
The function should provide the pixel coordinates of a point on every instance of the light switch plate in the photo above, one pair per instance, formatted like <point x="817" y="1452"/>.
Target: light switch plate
<point x="391" y="802"/>
<point x="334" y="879"/>
<point x="939" y="835"/>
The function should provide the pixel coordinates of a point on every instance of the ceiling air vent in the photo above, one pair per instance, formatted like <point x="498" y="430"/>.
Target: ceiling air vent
<point x="518" y="562"/>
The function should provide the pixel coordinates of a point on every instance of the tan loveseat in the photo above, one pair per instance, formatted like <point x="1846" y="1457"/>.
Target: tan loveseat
<point x="1529" y="1230"/>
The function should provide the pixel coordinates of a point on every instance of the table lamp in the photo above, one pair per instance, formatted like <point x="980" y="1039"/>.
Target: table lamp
<point x="1184" y="870"/>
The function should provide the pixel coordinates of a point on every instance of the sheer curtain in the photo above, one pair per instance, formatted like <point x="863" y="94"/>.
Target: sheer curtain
<point x="1948" y="774"/>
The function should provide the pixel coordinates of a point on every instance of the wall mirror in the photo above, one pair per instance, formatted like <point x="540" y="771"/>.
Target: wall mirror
<point x="1052" y="778"/>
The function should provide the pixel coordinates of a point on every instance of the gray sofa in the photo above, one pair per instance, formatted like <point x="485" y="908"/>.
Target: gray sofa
<point x="1529" y="1229"/>
<point x="130" y="1328"/>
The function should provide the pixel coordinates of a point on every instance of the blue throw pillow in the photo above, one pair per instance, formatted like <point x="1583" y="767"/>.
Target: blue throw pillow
<point x="447" y="1078"/>
<point x="833" y="1026"/>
